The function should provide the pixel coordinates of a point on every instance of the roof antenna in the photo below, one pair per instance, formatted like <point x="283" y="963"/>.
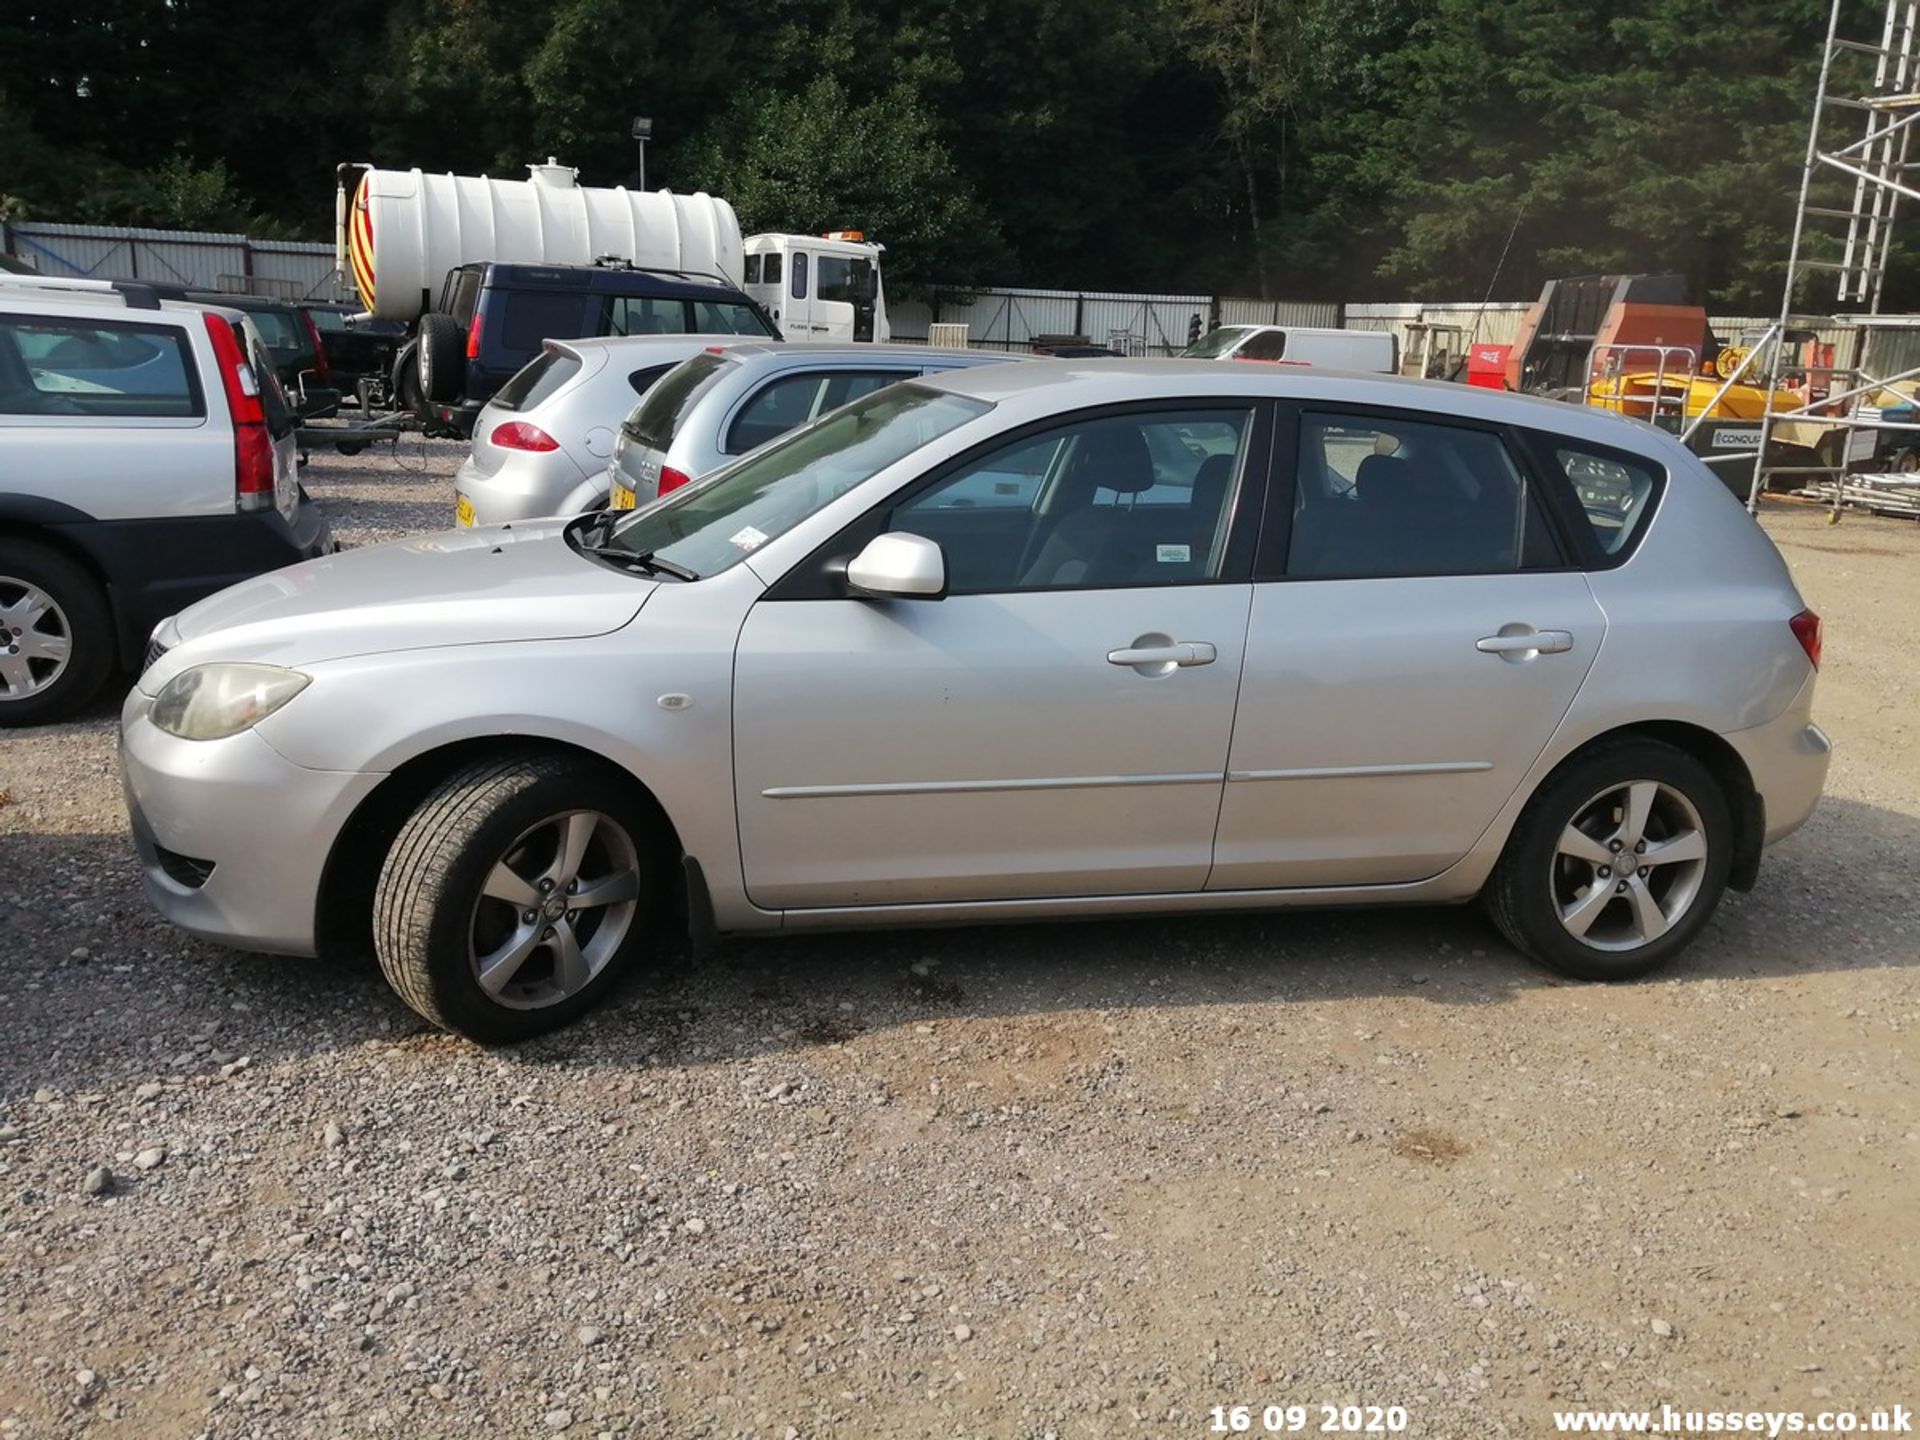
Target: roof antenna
<point x="1499" y="265"/>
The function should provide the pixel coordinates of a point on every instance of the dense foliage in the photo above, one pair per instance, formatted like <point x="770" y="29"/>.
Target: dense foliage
<point x="1301" y="148"/>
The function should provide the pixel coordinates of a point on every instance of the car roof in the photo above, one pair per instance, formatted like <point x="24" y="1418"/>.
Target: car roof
<point x="616" y="344"/>
<point x="617" y="279"/>
<point x="764" y="354"/>
<point x="45" y="294"/>
<point x="1062" y="385"/>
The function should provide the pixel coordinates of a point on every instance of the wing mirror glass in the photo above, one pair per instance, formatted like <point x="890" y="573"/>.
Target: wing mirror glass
<point x="899" y="566"/>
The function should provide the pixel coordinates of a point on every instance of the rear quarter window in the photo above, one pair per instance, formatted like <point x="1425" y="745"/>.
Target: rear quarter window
<point x="1615" y="492"/>
<point x="72" y="367"/>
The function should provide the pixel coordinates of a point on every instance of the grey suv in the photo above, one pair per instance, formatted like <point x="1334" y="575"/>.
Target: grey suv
<point x="727" y="400"/>
<point x="146" y="460"/>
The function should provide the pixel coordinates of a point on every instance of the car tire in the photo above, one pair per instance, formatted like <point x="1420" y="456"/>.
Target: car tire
<point x="1558" y="893"/>
<point x="478" y="878"/>
<point x="443" y="356"/>
<point x="46" y="599"/>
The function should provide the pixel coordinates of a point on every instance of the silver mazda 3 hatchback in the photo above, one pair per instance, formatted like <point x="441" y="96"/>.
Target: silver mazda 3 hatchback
<point x="1014" y="642"/>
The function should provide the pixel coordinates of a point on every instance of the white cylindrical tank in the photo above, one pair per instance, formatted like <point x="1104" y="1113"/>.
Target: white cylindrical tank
<point x="406" y="229"/>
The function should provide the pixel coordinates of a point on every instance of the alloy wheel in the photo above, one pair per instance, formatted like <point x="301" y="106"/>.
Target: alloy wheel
<point x="555" y="909"/>
<point x="1629" y="866"/>
<point x="35" y="639"/>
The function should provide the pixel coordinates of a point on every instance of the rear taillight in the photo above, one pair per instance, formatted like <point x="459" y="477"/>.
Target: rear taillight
<point x="473" y="333"/>
<point x="519" y="435"/>
<point x="1807" y="630"/>
<point x="321" y="365"/>
<point x="672" y="479"/>
<point x="253" y="467"/>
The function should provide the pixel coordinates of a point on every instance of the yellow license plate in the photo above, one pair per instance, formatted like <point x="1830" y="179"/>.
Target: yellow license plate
<point x="619" y="497"/>
<point x="463" y="507"/>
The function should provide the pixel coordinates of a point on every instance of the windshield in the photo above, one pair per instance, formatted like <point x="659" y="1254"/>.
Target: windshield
<point x="655" y="418"/>
<point x="1215" y="343"/>
<point x="716" y="522"/>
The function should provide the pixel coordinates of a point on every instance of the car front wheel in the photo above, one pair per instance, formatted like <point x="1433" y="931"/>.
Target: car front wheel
<point x="1616" y="864"/>
<point x="516" y="895"/>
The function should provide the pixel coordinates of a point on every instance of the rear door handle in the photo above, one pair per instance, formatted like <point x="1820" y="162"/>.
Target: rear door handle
<point x="1524" y="640"/>
<point x="1183" y="653"/>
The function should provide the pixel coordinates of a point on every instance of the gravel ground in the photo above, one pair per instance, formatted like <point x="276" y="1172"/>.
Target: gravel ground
<point x="1071" y="1181"/>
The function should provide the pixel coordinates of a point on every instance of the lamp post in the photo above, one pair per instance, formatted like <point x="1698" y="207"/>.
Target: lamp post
<point x="642" y="132"/>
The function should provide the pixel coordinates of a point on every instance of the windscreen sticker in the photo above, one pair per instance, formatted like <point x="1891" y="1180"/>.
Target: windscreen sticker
<point x="748" y="539"/>
<point x="1173" y="554"/>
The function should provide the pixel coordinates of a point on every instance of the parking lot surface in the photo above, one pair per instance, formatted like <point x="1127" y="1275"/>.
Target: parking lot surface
<point x="1082" y="1180"/>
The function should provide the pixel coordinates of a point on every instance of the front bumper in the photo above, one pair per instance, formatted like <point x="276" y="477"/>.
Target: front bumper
<point x="265" y="826"/>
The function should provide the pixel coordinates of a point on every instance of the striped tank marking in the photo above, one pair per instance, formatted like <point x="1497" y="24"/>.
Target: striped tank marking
<point x="360" y="244"/>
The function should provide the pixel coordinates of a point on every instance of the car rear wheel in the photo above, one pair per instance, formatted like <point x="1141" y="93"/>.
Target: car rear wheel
<point x="1616" y="864"/>
<point x="516" y="895"/>
<point x="56" y="635"/>
<point x="443" y="355"/>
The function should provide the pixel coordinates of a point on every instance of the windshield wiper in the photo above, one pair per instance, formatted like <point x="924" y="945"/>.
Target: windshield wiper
<point x="640" y="560"/>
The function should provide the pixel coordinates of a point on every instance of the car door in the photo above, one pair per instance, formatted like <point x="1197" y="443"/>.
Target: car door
<point x="1416" y="638"/>
<point x="1058" y="723"/>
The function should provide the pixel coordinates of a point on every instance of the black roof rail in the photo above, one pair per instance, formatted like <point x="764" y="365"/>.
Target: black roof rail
<point x="137" y="296"/>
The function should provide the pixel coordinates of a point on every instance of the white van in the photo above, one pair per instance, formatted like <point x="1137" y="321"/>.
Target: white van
<point x="819" y="287"/>
<point x="1372" y="350"/>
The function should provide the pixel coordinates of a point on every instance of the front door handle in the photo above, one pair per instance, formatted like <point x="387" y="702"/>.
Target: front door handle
<point x="1524" y="642"/>
<point x="1182" y="653"/>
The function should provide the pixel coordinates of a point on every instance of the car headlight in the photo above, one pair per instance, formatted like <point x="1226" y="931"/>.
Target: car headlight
<point x="211" y="702"/>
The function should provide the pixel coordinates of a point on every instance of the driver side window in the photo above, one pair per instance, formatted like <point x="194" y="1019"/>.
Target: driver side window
<point x="1116" y="502"/>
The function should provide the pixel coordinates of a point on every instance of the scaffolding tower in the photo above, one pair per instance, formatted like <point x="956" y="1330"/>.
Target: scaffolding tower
<point x="1869" y="96"/>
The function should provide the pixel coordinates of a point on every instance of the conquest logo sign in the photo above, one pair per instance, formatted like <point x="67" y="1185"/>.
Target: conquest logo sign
<point x="1726" y="437"/>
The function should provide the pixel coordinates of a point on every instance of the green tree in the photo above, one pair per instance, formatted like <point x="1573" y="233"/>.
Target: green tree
<point x="812" y="161"/>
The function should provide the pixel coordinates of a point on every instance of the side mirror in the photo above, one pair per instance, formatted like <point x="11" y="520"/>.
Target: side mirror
<point x="899" y="566"/>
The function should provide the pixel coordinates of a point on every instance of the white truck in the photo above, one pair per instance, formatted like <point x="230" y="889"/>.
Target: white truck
<point x="398" y="233"/>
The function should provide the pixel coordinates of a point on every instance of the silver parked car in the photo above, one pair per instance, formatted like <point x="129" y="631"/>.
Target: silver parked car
<point x="541" y="444"/>
<point x="148" y="458"/>
<point x="1009" y="643"/>
<point x="722" y="403"/>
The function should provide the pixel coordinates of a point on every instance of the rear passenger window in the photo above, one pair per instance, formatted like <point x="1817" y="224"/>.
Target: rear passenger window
<point x="1613" y="491"/>
<point x="770" y="273"/>
<point x="69" y="367"/>
<point x="1386" y="497"/>
<point x="799" y="274"/>
<point x="753" y="270"/>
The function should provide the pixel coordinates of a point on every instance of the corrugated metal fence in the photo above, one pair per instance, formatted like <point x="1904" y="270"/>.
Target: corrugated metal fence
<point x="291" y="269"/>
<point x="1009" y="319"/>
<point x="1134" y="324"/>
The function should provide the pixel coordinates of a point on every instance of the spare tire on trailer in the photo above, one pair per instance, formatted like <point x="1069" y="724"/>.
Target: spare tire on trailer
<point x="443" y="355"/>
